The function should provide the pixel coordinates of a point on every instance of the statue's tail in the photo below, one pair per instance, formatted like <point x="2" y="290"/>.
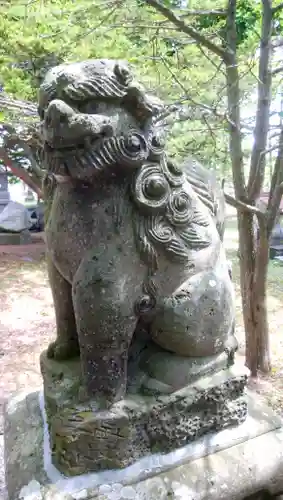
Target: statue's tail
<point x="209" y="191"/>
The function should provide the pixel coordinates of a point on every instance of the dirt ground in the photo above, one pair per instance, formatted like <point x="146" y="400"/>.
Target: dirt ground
<point x="27" y="322"/>
<point x="26" y="316"/>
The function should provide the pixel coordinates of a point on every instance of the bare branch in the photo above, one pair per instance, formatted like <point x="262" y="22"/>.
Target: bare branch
<point x="206" y="108"/>
<point x="20" y="172"/>
<point x="270" y="150"/>
<point x="25" y="107"/>
<point x="244" y="207"/>
<point x="275" y="134"/>
<point x="257" y="165"/>
<point x="277" y="70"/>
<point x="182" y="26"/>
<point x="218" y="67"/>
<point x="219" y="12"/>
<point x="277" y="8"/>
<point x="102" y="22"/>
<point x="14" y="140"/>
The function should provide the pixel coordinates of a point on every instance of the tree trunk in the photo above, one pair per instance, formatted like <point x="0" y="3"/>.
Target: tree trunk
<point x="260" y="297"/>
<point x="254" y="257"/>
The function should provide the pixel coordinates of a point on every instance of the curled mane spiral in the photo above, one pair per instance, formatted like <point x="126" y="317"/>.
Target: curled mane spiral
<point x="168" y="215"/>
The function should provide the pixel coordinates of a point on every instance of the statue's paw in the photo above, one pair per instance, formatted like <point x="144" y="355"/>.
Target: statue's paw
<point x="231" y="345"/>
<point x="59" y="350"/>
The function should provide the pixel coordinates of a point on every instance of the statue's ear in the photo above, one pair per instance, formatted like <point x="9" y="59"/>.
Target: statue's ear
<point x="140" y="104"/>
<point x="123" y="73"/>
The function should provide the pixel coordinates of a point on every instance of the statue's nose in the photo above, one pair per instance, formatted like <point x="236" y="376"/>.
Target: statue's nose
<point x="64" y="126"/>
<point x="58" y="113"/>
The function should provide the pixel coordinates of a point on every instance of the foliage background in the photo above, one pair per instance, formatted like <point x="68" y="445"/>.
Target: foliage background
<point x="35" y="35"/>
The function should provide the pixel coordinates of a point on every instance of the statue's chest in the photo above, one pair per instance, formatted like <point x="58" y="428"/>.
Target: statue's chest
<point x="78" y="222"/>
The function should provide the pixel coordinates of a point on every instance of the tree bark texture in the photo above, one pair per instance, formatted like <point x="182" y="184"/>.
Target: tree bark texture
<point x="254" y="258"/>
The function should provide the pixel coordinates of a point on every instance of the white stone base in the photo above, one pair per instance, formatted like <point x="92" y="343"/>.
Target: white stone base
<point x="228" y="465"/>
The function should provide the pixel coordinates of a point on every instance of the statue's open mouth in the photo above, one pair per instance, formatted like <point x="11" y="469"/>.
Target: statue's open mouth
<point x="63" y="148"/>
<point x="65" y="145"/>
<point x="87" y="158"/>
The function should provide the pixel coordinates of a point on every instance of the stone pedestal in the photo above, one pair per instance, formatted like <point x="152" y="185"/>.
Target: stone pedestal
<point x="231" y="464"/>
<point x="85" y="439"/>
<point x="22" y="238"/>
<point x="4" y="189"/>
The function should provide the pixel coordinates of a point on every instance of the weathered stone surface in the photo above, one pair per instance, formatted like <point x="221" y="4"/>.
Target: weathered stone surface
<point x="23" y="438"/>
<point x="132" y="238"/>
<point x="228" y="465"/>
<point x="22" y="238"/>
<point x="162" y="372"/>
<point x="84" y="439"/>
<point x="140" y="281"/>
<point x="14" y="218"/>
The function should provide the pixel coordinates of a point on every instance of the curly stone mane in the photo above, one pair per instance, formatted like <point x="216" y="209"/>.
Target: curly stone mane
<point x="169" y="214"/>
<point x="168" y="200"/>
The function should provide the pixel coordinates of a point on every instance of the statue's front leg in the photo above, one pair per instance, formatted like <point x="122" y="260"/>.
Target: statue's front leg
<point x="103" y="305"/>
<point x="66" y="344"/>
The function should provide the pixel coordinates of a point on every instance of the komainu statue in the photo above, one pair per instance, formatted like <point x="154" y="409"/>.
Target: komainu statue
<point x="143" y="359"/>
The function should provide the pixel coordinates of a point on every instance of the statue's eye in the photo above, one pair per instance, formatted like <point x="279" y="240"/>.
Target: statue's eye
<point x="155" y="188"/>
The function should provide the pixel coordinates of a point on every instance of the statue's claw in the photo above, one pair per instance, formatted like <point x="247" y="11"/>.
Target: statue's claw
<point x="59" y="350"/>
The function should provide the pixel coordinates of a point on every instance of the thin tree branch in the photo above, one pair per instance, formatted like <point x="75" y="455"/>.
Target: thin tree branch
<point x="244" y="207"/>
<point x="277" y="8"/>
<point x="220" y="12"/>
<point x="269" y="150"/>
<point x="206" y="108"/>
<point x="218" y="67"/>
<point x="14" y="141"/>
<point x="257" y="165"/>
<point x="25" y="107"/>
<point x="20" y="172"/>
<point x="182" y="26"/>
<point x="277" y="70"/>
